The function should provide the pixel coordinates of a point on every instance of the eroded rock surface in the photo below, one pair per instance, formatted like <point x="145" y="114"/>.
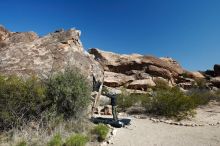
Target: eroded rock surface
<point x="135" y="71"/>
<point x="25" y="54"/>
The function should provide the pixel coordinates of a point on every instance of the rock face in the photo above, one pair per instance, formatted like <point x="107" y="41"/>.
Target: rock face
<point x="141" y="84"/>
<point x="25" y="54"/>
<point x="112" y="79"/>
<point x="196" y="75"/>
<point x="135" y="71"/>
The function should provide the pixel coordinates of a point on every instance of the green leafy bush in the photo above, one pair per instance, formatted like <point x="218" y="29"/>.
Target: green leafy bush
<point x="55" y="141"/>
<point x="69" y="92"/>
<point x="76" y="140"/>
<point x="20" y="100"/>
<point x="201" y="96"/>
<point x="171" y="103"/>
<point x="101" y="130"/>
<point x="125" y="100"/>
<point x="146" y="101"/>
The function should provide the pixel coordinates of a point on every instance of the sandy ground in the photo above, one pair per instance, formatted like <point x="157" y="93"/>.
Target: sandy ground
<point x="144" y="132"/>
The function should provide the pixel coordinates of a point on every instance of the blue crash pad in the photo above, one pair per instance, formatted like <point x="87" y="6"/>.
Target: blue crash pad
<point x="118" y="124"/>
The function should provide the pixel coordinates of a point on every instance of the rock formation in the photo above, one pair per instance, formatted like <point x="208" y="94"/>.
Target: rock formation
<point x="25" y="54"/>
<point x="136" y="71"/>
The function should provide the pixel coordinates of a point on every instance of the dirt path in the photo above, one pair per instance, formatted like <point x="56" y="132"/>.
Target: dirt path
<point x="144" y="132"/>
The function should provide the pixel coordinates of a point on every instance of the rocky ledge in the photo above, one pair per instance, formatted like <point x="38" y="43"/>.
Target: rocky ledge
<point x="25" y="54"/>
<point x="139" y="72"/>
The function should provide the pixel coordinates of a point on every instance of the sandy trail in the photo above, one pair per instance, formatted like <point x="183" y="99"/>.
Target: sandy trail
<point x="144" y="132"/>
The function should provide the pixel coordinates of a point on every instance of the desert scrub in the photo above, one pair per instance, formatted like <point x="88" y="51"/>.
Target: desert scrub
<point x="55" y="141"/>
<point x="145" y="101"/>
<point x="21" y="100"/>
<point x="200" y="96"/>
<point x="217" y="95"/>
<point x="101" y="130"/>
<point x="172" y="103"/>
<point x="69" y="92"/>
<point x="126" y="100"/>
<point x="77" y="140"/>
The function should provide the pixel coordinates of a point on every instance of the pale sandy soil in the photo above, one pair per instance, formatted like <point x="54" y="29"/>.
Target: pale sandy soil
<point x="143" y="132"/>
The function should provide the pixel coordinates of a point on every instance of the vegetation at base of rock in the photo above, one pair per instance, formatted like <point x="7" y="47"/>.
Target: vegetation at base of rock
<point x="62" y="95"/>
<point x="101" y="130"/>
<point x="171" y="103"/>
<point x="125" y="100"/>
<point x="77" y="140"/>
<point x="43" y="107"/>
<point x="69" y="92"/>
<point x="168" y="101"/>
<point x="55" y="141"/>
<point x="21" y="100"/>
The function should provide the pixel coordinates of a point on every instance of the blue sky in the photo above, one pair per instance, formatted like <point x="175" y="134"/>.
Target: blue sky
<point x="186" y="30"/>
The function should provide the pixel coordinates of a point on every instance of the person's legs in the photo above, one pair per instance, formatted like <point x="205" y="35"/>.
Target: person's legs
<point x="114" y="113"/>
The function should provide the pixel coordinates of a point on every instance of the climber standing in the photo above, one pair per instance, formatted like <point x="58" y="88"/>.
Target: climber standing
<point x="114" y="106"/>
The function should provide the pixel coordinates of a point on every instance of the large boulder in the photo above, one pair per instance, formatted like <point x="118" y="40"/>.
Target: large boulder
<point x="112" y="79"/>
<point x="142" y="84"/>
<point x="217" y="69"/>
<point x="26" y="54"/>
<point x="124" y="63"/>
<point x="195" y="75"/>
<point x="135" y="71"/>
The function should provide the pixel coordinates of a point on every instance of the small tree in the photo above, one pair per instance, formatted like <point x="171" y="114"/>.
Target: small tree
<point x="69" y="92"/>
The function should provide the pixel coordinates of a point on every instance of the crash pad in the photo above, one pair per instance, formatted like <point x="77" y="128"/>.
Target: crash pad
<point x="118" y="124"/>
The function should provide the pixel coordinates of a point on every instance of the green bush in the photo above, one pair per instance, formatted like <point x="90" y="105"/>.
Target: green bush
<point x="69" y="92"/>
<point x="172" y="103"/>
<point x="146" y="101"/>
<point x="76" y="140"/>
<point x="101" y="131"/>
<point x="21" y="100"/>
<point x="55" y="141"/>
<point x="217" y="94"/>
<point x="201" y="96"/>
<point x="125" y="100"/>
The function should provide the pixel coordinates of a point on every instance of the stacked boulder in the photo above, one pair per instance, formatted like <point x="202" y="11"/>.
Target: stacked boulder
<point x="25" y="54"/>
<point x="136" y="71"/>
